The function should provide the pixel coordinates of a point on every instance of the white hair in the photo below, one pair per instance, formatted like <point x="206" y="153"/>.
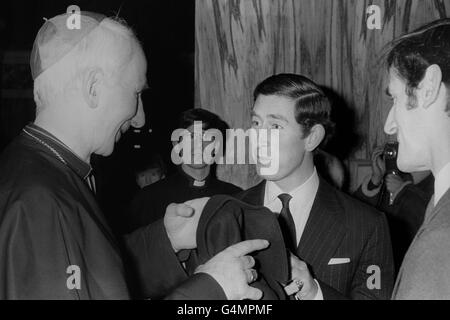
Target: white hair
<point x="110" y="47"/>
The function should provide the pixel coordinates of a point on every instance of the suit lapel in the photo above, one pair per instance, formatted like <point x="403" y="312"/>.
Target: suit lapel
<point x="324" y="229"/>
<point x="255" y="195"/>
<point x="433" y="210"/>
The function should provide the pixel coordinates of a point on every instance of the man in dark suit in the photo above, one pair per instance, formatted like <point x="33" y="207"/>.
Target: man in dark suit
<point x="340" y="247"/>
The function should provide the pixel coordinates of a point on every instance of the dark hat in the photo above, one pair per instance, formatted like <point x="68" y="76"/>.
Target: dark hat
<point x="226" y="221"/>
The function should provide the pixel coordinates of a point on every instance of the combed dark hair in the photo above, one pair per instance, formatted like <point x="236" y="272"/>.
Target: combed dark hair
<point x="411" y="54"/>
<point x="312" y="106"/>
<point x="209" y="119"/>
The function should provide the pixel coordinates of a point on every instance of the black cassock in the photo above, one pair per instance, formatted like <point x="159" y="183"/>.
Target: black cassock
<point x="55" y="242"/>
<point x="151" y="202"/>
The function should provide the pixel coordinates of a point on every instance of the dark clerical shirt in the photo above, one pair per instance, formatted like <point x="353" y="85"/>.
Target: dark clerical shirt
<point x="150" y="203"/>
<point x="55" y="242"/>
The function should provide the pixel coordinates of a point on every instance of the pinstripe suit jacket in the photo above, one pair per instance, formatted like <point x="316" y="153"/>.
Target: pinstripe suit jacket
<point x="342" y="227"/>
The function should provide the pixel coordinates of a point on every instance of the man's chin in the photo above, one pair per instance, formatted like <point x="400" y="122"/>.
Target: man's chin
<point x="197" y="166"/>
<point x="408" y="166"/>
<point x="107" y="150"/>
<point x="267" y="173"/>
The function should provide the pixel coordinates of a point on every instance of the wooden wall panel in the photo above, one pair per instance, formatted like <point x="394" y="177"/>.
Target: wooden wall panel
<point x="241" y="42"/>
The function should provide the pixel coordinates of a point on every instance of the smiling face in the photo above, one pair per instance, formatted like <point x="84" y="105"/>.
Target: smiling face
<point x="121" y="103"/>
<point x="407" y="121"/>
<point x="198" y="146"/>
<point x="277" y="112"/>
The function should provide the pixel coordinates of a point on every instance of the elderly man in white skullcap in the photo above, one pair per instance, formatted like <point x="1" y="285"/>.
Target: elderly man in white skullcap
<point x="54" y="241"/>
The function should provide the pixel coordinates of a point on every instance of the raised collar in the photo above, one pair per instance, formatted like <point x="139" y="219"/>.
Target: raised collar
<point x="306" y="190"/>
<point x="58" y="149"/>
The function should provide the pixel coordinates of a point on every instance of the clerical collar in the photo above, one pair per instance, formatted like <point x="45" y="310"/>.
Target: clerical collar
<point x="198" y="183"/>
<point x="58" y="149"/>
<point x="195" y="183"/>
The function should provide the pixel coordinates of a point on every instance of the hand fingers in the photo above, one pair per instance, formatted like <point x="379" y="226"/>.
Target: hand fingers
<point x="294" y="261"/>
<point x="298" y="273"/>
<point x="380" y="161"/>
<point x="197" y="203"/>
<point x="245" y="247"/>
<point x="297" y="263"/>
<point x="253" y="294"/>
<point x="379" y="149"/>
<point x="248" y="262"/>
<point x="377" y="153"/>
<point x="182" y="210"/>
<point x="393" y="178"/>
<point x="291" y="289"/>
<point x="251" y="275"/>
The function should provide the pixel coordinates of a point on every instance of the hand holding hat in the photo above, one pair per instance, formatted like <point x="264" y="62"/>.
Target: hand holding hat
<point x="303" y="284"/>
<point x="233" y="270"/>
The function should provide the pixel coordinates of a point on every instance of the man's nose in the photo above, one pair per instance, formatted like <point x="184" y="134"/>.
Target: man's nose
<point x="390" y="126"/>
<point x="138" y="120"/>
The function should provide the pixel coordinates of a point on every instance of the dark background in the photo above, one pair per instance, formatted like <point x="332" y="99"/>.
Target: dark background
<point x="166" y="30"/>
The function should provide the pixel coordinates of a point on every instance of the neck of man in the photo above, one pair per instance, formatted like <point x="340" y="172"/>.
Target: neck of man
<point x="66" y="132"/>
<point x="440" y="158"/>
<point x="299" y="176"/>
<point x="198" y="174"/>
<point x="439" y="147"/>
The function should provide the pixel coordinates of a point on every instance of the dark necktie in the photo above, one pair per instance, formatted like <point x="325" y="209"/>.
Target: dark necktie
<point x="287" y="223"/>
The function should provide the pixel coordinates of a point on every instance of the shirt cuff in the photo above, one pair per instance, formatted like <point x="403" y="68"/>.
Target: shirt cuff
<point x="319" y="294"/>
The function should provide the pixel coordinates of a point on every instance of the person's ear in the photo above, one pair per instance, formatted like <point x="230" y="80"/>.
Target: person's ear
<point x="91" y="86"/>
<point x="315" y="137"/>
<point x="429" y="87"/>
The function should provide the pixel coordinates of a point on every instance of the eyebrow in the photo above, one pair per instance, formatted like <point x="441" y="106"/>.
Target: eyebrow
<point x="278" y="117"/>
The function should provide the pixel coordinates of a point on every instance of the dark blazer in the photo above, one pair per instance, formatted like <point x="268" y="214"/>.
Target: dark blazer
<point x="342" y="227"/>
<point x="150" y="203"/>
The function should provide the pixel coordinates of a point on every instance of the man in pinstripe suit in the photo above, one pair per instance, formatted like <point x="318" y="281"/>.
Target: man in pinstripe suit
<point x="340" y="248"/>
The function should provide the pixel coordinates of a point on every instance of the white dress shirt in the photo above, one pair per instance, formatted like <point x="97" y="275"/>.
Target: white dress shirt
<point x="300" y="206"/>
<point x="441" y="183"/>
